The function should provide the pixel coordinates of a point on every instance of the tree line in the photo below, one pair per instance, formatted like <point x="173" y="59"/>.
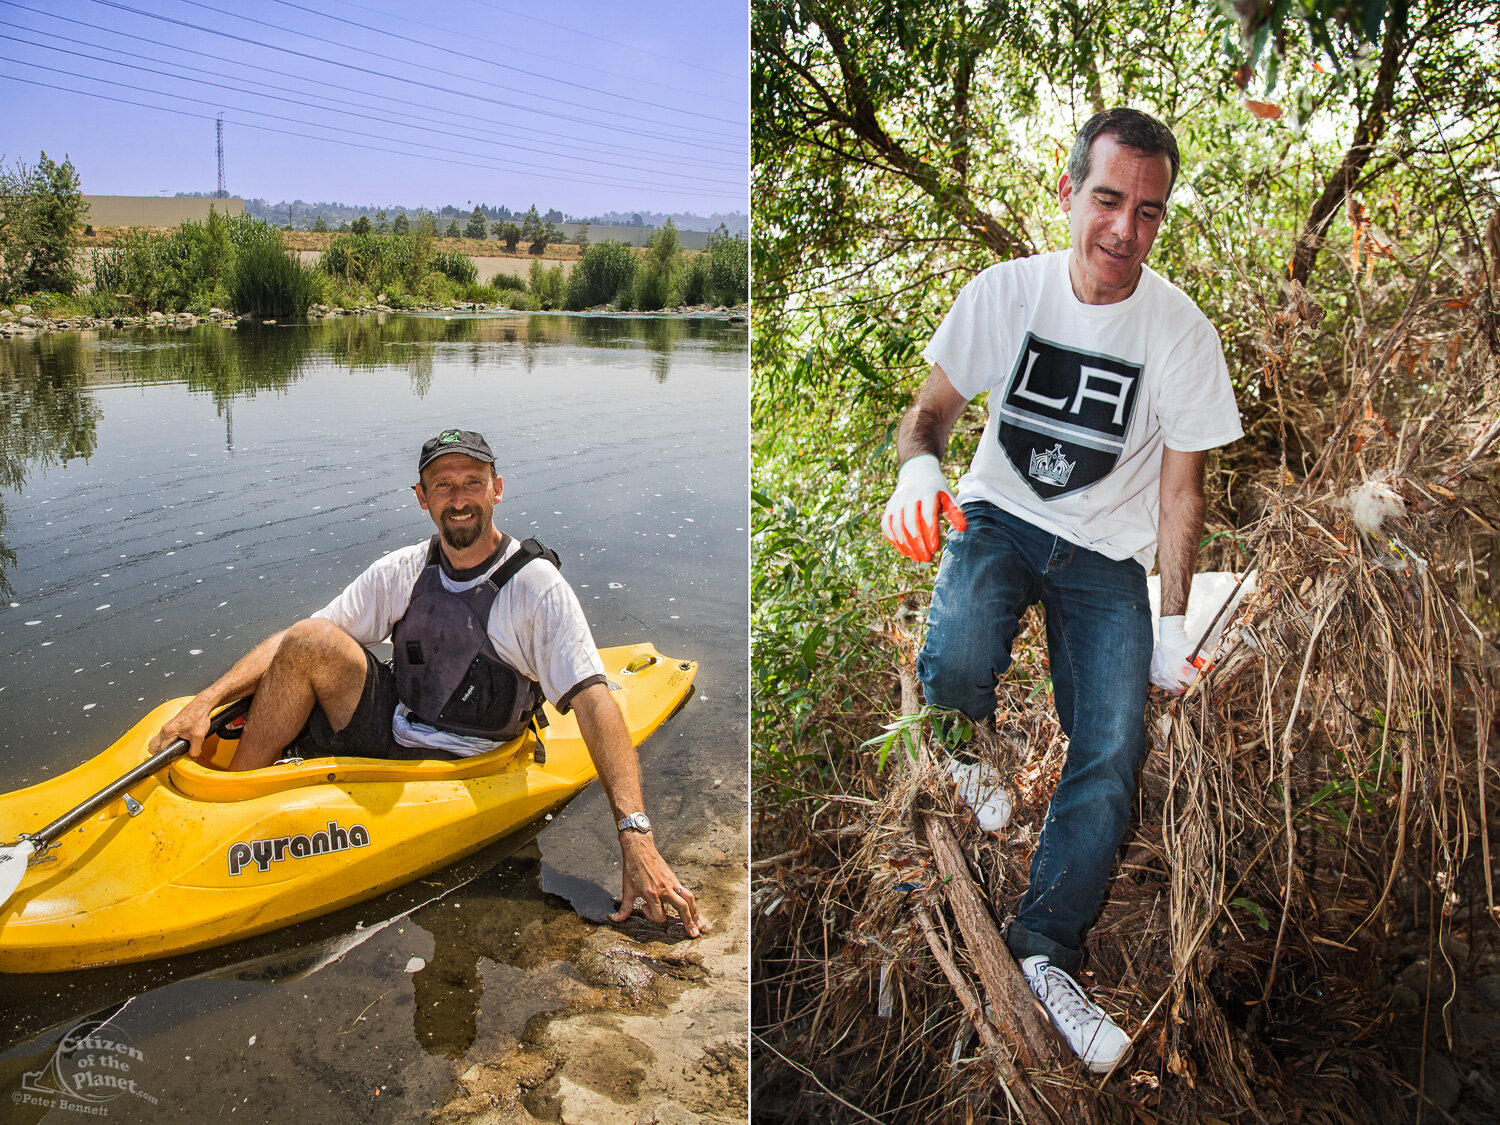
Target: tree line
<point x="242" y="264"/>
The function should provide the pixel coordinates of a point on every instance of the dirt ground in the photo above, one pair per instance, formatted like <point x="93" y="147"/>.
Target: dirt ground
<point x="659" y="1035"/>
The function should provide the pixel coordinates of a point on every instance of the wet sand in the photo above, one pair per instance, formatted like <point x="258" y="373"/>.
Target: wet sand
<point x="658" y="1028"/>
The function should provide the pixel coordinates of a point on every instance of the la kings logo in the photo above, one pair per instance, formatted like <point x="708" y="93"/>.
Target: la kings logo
<point x="1065" y="415"/>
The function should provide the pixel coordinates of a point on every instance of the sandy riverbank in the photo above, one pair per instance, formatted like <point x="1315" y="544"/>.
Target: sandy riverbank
<point x="658" y="1031"/>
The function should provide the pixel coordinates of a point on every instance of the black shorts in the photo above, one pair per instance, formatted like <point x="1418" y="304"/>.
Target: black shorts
<point x="368" y="734"/>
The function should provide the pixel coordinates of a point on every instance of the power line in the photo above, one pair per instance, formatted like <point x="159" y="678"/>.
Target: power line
<point x="489" y="62"/>
<point x="296" y="101"/>
<point x="699" y="93"/>
<point x="387" y="58"/>
<point x="567" y="179"/>
<point x="349" y="132"/>
<point x="602" y="39"/>
<point x="364" y="94"/>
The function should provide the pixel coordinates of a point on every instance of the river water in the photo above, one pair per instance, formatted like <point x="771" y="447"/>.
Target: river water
<point x="172" y="496"/>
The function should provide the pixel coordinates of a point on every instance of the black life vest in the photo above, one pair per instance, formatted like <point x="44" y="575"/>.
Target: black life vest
<point x="447" y="672"/>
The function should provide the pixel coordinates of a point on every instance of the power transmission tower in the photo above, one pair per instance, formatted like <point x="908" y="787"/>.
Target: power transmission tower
<point x="222" y="194"/>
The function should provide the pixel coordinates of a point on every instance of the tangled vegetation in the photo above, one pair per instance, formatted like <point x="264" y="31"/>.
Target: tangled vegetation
<point x="1315" y="822"/>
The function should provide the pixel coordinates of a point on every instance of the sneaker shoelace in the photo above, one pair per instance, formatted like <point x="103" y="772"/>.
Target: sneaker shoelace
<point x="1063" y="991"/>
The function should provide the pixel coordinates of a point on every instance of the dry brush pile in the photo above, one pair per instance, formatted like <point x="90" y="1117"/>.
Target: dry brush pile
<point x="1314" y="815"/>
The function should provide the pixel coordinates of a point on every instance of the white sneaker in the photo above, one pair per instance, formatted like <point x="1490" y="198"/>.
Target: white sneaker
<point x="979" y="787"/>
<point x="1094" y="1037"/>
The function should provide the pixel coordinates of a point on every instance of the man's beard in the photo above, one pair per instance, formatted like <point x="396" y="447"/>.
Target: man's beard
<point x="464" y="535"/>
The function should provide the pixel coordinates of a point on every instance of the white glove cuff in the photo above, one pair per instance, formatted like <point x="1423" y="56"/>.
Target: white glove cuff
<point x="1171" y="629"/>
<point x="922" y="465"/>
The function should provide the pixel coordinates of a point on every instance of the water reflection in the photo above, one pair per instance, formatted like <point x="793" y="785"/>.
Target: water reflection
<point x="49" y="415"/>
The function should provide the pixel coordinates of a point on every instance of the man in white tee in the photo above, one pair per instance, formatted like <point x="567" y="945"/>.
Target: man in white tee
<point x="1106" y="388"/>
<point x="319" y="685"/>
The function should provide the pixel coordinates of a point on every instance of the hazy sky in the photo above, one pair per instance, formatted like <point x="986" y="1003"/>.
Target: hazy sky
<point x="582" y="105"/>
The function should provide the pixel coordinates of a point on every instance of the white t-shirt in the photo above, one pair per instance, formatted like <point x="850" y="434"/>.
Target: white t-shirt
<point x="536" y="626"/>
<point x="1082" y="398"/>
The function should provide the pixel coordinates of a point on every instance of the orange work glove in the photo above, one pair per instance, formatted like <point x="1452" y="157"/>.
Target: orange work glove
<point x="911" y="516"/>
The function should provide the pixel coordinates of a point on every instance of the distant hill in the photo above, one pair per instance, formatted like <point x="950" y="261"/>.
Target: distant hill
<point x="302" y="215"/>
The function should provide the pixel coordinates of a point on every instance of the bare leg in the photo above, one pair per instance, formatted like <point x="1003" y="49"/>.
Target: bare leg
<point x="317" y="662"/>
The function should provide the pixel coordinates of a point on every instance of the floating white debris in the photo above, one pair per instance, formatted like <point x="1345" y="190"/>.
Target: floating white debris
<point x="617" y="585"/>
<point x="89" y="706"/>
<point x="416" y="965"/>
<point x="252" y="1040"/>
<point x="195" y="652"/>
<point x="97" y="608"/>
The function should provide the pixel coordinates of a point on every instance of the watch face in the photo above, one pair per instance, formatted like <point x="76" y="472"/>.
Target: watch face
<point x="638" y="821"/>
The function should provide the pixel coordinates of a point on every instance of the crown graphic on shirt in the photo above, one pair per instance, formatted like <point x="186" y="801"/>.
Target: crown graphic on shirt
<point x="1051" y="467"/>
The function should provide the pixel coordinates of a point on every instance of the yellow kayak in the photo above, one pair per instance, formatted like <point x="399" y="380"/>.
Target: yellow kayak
<point x="213" y="856"/>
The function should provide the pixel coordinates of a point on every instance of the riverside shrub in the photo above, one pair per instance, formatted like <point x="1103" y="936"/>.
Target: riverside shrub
<point x="695" y="282"/>
<point x="189" y="268"/>
<point x="547" y="285"/>
<point x="268" y="279"/>
<point x="728" y="271"/>
<point x="455" y="266"/>
<point x="658" y="283"/>
<point x="603" y="272"/>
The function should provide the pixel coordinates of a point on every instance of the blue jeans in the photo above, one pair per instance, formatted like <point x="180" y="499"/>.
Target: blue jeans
<point x="1099" y="642"/>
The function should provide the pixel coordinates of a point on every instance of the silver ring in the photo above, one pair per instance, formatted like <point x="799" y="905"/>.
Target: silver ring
<point x="681" y="889"/>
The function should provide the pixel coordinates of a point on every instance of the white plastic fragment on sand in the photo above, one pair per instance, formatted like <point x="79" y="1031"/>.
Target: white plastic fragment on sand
<point x="416" y="965"/>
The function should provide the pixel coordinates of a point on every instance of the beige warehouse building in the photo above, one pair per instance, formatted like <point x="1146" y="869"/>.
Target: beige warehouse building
<point x="154" y="210"/>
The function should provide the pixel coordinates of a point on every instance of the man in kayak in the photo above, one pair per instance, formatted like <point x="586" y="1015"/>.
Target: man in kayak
<point x="483" y="628"/>
<point x="1106" y="386"/>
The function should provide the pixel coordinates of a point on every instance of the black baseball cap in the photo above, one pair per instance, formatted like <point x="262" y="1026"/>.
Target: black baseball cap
<point x="466" y="442"/>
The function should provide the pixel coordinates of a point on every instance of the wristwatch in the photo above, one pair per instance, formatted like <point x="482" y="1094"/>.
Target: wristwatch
<point x="636" y="822"/>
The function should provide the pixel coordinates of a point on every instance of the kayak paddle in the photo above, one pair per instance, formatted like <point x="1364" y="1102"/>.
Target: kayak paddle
<point x="15" y="857"/>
